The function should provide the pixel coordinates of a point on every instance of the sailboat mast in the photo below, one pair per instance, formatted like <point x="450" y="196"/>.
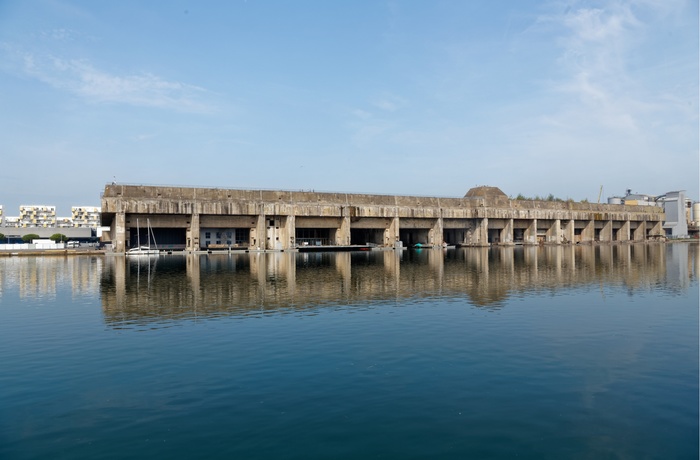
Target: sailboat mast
<point x="151" y="234"/>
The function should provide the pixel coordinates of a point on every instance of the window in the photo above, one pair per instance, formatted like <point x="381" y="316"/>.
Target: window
<point x="207" y="234"/>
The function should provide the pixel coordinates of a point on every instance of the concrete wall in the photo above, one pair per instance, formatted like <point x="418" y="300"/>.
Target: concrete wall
<point x="482" y="221"/>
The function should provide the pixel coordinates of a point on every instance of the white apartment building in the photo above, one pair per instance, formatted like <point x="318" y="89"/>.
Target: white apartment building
<point x="37" y="216"/>
<point x="64" y="222"/>
<point x="12" y="222"/>
<point x="86" y="216"/>
<point x="44" y="216"/>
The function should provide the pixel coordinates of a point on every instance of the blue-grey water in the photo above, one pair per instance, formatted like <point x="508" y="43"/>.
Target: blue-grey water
<point x="533" y="353"/>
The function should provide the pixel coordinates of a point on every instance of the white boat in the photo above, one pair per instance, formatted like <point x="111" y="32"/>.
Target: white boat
<point x="142" y="251"/>
<point x="147" y="250"/>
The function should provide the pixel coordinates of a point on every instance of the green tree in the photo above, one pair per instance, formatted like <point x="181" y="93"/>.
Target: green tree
<point x="2" y="237"/>
<point x="58" y="238"/>
<point x="29" y="237"/>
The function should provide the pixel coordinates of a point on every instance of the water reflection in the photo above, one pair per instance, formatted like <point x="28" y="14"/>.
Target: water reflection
<point x="41" y="277"/>
<point x="172" y="288"/>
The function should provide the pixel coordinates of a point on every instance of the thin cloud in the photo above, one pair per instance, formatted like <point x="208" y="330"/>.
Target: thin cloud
<point x="389" y="103"/>
<point x="80" y="77"/>
<point x="598" y="46"/>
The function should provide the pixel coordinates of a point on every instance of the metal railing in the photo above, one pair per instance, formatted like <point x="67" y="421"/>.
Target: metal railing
<point x="313" y="242"/>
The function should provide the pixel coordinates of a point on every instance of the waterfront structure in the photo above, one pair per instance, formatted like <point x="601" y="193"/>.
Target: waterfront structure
<point x="211" y="218"/>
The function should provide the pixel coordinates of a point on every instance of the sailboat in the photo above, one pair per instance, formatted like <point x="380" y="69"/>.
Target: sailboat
<point x="144" y="250"/>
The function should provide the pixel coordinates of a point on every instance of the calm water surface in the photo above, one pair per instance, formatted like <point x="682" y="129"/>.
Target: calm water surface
<point x="575" y="352"/>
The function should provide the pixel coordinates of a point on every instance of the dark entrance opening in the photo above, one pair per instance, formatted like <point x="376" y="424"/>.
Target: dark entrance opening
<point x="454" y="236"/>
<point x="371" y="236"/>
<point x="314" y="236"/>
<point x="412" y="237"/>
<point x="165" y="238"/>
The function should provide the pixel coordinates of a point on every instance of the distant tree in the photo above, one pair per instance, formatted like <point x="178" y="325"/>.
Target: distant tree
<point x="58" y="238"/>
<point x="29" y="237"/>
<point x="2" y="237"/>
<point x="549" y="197"/>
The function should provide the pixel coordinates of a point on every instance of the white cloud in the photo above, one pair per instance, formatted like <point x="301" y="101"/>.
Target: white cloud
<point x="80" y="77"/>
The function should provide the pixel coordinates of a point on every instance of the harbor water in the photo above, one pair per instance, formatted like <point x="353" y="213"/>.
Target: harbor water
<point x="578" y="352"/>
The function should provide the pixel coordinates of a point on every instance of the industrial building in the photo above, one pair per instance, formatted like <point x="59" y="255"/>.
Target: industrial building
<point x="195" y="219"/>
<point x="677" y="208"/>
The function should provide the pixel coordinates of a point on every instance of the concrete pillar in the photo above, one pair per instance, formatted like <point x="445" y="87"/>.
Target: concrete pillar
<point x="391" y="234"/>
<point x="640" y="233"/>
<point x="435" y="236"/>
<point x="119" y="233"/>
<point x="568" y="233"/>
<point x="530" y="234"/>
<point x="287" y="233"/>
<point x="506" y="235"/>
<point x="606" y="234"/>
<point x="257" y="233"/>
<point x="657" y="229"/>
<point x="193" y="233"/>
<point x="588" y="232"/>
<point x="623" y="234"/>
<point x="280" y="231"/>
<point x="480" y="235"/>
<point x="342" y="236"/>
<point x="553" y="234"/>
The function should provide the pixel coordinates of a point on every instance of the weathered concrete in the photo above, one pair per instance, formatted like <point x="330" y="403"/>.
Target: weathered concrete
<point x="273" y="219"/>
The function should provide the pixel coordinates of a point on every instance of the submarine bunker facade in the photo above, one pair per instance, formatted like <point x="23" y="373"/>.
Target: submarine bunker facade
<point x="196" y="219"/>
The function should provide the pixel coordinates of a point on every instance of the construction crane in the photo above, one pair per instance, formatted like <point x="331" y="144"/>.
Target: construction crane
<point x="600" y="193"/>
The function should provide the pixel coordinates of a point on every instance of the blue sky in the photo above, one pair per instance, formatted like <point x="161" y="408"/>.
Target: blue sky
<point x="392" y="97"/>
